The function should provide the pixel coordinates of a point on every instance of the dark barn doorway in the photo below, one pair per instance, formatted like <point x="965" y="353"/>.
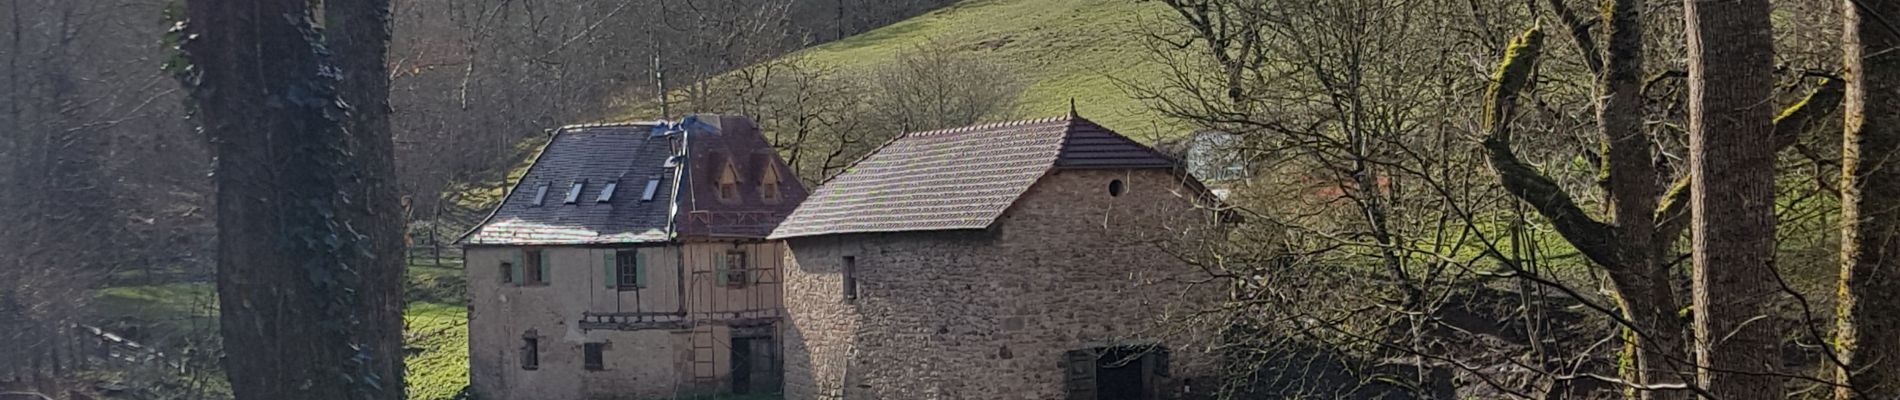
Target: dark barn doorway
<point x="1117" y="373"/>
<point x="754" y="365"/>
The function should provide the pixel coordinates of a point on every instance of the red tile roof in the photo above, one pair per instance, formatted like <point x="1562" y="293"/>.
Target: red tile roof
<point x="961" y="178"/>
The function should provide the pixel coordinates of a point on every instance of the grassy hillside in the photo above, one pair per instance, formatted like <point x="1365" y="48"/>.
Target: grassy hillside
<point x="1061" y="48"/>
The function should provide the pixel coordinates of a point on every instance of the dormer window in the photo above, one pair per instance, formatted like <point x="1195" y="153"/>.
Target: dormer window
<point x="574" y="193"/>
<point x="729" y="183"/>
<point x="768" y="184"/>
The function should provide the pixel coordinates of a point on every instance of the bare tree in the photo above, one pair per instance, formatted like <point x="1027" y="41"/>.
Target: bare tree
<point x="1631" y="247"/>
<point x="1868" y="335"/>
<point x="1732" y="158"/>
<point x="821" y="118"/>
<point x="936" y="86"/>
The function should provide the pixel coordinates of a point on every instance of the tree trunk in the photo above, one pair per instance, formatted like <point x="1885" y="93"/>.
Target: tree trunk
<point x="357" y="33"/>
<point x="290" y="281"/>
<point x="1644" y="289"/>
<point x="1732" y="158"/>
<point x="1655" y="346"/>
<point x="1869" y="331"/>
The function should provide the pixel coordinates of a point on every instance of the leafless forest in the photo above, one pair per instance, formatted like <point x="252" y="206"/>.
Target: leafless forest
<point x="1438" y="199"/>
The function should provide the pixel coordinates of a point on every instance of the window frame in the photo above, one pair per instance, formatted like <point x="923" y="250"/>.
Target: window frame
<point x="541" y="194"/>
<point x="532" y="260"/>
<point x="508" y="272"/>
<point x="574" y="192"/>
<point x="530" y="351"/>
<point x="736" y="269"/>
<point x="769" y="185"/>
<point x="627" y="270"/>
<point x="728" y="183"/>
<point x="769" y="192"/>
<point x="849" y="273"/>
<point x="728" y="192"/>
<point x="594" y="356"/>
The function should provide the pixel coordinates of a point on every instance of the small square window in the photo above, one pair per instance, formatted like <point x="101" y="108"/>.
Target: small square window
<point x="591" y="356"/>
<point x="728" y="191"/>
<point x="769" y="191"/>
<point x="507" y="272"/>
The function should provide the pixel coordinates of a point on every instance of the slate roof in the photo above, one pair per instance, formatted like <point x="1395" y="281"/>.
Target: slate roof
<point x="961" y="178"/>
<point x="739" y="143"/>
<point x="629" y="156"/>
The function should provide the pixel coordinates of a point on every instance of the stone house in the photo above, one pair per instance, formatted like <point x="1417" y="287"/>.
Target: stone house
<point x="1025" y="260"/>
<point x="630" y="261"/>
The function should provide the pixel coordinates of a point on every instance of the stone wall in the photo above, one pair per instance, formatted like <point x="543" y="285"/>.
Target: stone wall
<point x="989" y="314"/>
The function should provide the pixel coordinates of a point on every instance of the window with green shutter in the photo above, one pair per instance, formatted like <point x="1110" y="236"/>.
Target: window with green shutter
<point x="609" y="268"/>
<point x="515" y="268"/>
<point x="719" y="269"/>
<point x="546" y="267"/>
<point x="632" y="269"/>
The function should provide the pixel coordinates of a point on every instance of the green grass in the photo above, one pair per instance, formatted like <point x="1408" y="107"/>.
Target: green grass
<point x="485" y="193"/>
<point x="160" y="308"/>
<point x="437" y="334"/>
<point x="435" y="324"/>
<point x="1060" y="49"/>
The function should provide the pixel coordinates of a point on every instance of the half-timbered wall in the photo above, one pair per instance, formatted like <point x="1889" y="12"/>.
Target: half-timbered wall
<point x="668" y="337"/>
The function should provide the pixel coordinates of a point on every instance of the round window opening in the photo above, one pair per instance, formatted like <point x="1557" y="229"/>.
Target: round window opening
<point x="1115" y="187"/>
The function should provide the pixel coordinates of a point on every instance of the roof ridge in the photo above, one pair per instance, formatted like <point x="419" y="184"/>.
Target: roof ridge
<point x="627" y="124"/>
<point x="991" y="125"/>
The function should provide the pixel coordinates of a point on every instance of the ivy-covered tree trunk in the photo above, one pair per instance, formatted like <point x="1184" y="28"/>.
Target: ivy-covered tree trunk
<point x="357" y="33"/>
<point x="1732" y="159"/>
<point x="291" y="277"/>
<point x="1869" y="332"/>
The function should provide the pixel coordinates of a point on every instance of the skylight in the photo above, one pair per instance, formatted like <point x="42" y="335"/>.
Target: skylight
<point x="540" y="194"/>
<point x="574" y="193"/>
<point x="653" y="187"/>
<point x="607" y="193"/>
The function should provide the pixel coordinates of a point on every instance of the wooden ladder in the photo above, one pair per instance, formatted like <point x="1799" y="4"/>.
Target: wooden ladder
<point x="705" y="360"/>
<point x="704" y="342"/>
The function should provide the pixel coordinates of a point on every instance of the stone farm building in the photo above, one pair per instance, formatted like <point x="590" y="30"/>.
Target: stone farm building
<point x="1008" y="261"/>
<point x="630" y="261"/>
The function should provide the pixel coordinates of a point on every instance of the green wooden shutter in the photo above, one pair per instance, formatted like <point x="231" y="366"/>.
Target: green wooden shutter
<point x="545" y="278"/>
<point x="514" y="270"/>
<point x="719" y="268"/>
<point x="609" y="269"/>
<point x="640" y="269"/>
